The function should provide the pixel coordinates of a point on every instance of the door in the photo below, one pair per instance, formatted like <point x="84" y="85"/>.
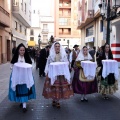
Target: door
<point x="8" y="50"/>
<point x="0" y="49"/>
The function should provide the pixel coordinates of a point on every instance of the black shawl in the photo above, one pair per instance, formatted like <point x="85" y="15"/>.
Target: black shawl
<point x="16" y="55"/>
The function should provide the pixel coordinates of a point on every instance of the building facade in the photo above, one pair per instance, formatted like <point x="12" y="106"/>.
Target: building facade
<point x="21" y="20"/>
<point x="34" y="31"/>
<point x="66" y="22"/>
<point x="5" y="40"/>
<point x="93" y="28"/>
<point x="47" y="29"/>
<point x="42" y="23"/>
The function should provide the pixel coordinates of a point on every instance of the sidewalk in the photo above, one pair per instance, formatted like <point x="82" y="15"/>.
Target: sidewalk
<point x="4" y="80"/>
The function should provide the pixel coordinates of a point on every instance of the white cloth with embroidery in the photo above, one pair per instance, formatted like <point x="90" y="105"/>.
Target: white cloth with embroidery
<point x="22" y="74"/>
<point x="110" y="66"/>
<point x="89" y="69"/>
<point x="58" y="68"/>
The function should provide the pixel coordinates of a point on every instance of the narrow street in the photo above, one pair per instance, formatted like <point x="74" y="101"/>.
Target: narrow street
<point x="41" y="109"/>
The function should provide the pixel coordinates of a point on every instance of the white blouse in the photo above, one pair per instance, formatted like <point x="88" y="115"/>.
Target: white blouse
<point x="20" y="59"/>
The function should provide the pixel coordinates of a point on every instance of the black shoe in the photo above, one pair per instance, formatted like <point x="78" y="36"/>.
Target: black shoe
<point x="86" y="100"/>
<point x="21" y="105"/>
<point x="24" y="110"/>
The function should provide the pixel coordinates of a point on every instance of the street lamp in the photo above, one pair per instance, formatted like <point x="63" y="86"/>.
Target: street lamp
<point x="109" y="11"/>
<point x="39" y="40"/>
<point x="68" y="43"/>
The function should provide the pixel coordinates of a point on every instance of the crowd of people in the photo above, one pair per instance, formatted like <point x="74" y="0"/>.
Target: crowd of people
<point x="62" y="88"/>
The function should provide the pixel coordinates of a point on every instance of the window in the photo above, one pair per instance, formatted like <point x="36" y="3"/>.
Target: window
<point x="31" y="38"/>
<point x="20" y="28"/>
<point x="15" y="2"/>
<point x="101" y="26"/>
<point x="64" y="21"/>
<point x="22" y="5"/>
<point x="89" y="31"/>
<point x="34" y="11"/>
<point x="31" y="32"/>
<point x="25" y="31"/>
<point x="45" y="26"/>
<point x="15" y="25"/>
<point x="25" y="8"/>
<point x="45" y="38"/>
<point x="29" y="15"/>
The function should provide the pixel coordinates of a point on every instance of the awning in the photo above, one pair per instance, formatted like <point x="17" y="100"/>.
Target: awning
<point x="31" y="43"/>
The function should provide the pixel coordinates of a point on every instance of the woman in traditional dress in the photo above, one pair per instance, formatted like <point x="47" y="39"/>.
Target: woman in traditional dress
<point x="22" y="94"/>
<point x="80" y="83"/>
<point x="61" y="89"/>
<point x="108" y="85"/>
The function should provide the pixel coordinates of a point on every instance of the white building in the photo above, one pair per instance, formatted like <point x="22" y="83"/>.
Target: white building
<point x="47" y="29"/>
<point x="42" y="23"/>
<point x="34" y="31"/>
<point x="20" y="20"/>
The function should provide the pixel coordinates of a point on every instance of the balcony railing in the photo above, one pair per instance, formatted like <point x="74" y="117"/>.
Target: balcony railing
<point x="45" y="41"/>
<point x="45" y="30"/>
<point x="64" y="15"/>
<point x="65" y="5"/>
<point x="65" y="24"/>
<point x="4" y="17"/>
<point x="89" y="14"/>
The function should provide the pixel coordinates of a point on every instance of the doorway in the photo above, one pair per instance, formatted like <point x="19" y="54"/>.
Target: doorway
<point x="8" y="50"/>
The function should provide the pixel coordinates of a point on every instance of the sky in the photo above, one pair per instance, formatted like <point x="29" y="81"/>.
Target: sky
<point x="45" y="6"/>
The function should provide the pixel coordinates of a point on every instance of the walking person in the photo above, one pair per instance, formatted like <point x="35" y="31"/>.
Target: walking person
<point x="92" y="53"/>
<point x="44" y="53"/>
<point x="75" y="53"/>
<point x="108" y="85"/>
<point x="81" y="85"/>
<point x="61" y="88"/>
<point x="21" y="93"/>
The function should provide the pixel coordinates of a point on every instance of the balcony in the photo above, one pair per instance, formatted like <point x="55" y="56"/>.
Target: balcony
<point x="4" y="18"/>
<point x="64" y="24"/>
<point x="96" y="8"/>
<point x="19" y="13"/>
<point x="64" y="15"/>
<point x="65" y="5"/>
<point x="45" y="31"/>
<point x="44" y="41"/>
<point x="64" y="12"/>
<point x="81" y="24"/>
<point x="89" y="16"/>
<point x="64" y="31"/>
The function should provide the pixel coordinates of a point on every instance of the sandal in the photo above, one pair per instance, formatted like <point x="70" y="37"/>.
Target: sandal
<point x="53" y="103"/>
<point x="58" y="105"/>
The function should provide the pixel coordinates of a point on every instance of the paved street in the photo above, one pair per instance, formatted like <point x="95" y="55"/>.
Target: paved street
<point x="41" y="109"/>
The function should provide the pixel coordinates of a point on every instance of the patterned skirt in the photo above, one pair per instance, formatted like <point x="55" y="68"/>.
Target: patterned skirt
<point x="59" y="90"/>
<point x="104" y="86"/>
